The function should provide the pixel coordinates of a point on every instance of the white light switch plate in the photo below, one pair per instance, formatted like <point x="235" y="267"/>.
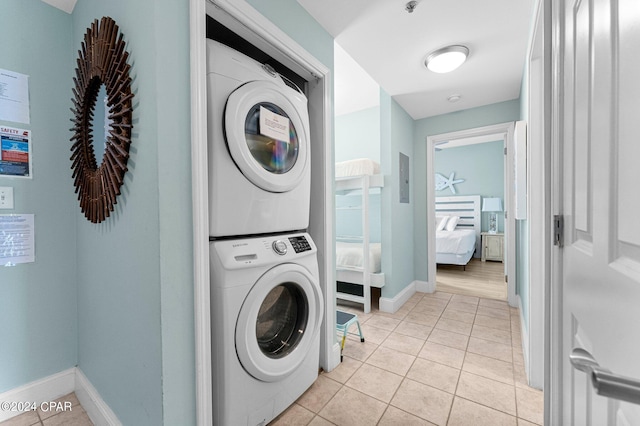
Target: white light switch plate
<point x="6" y="197"/>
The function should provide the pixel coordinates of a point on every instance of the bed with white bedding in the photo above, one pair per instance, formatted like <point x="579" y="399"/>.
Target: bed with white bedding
<point x="457" y="229"/>
<point x="455" y="247"/>
<point x="357" y="167"/>
<point x="350" y="263"/>
<point x="354" y="175"/>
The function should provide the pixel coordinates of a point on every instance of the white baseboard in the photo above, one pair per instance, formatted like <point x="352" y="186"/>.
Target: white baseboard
<point x="335" y="357"/>
<point x="524" y="333"/>
<point x="57" y="385"/>
<point x="97" y="410"/>
<point x="39" y="391"/>
<point x="392" y="305"/>
<point x="423" y="286"/>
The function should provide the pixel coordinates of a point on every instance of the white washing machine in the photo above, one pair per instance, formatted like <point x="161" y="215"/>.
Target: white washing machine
<point x="266" y="312"/>
<point x="258" y="143"/>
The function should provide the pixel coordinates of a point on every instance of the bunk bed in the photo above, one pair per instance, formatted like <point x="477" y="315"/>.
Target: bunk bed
<point x="358" y="260"/>
<point x="458" y="225"/>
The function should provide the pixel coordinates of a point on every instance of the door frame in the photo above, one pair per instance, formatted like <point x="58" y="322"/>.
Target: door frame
<point x="241" y="17"/>
<point x="504" y="131"/>
<point x="552" y="17"/>
<point x="539" y="186"/>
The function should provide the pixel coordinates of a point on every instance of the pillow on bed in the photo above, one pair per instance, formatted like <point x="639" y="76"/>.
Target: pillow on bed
<point x="441" y="222"/>
<point x="452" y="223"/>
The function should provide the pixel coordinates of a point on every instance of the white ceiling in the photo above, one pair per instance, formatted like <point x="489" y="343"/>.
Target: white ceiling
<point x="355" y="90"/>
<point x="391" y="45"/>
<point x="386" y="46"/>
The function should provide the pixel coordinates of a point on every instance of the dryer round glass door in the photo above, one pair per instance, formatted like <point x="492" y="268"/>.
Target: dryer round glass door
<point x="267" y="135"/>
<point x="274" y="155"/>
<point x="278" y="322"/>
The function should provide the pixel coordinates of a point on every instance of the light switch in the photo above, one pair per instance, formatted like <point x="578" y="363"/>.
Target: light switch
<point x="6" y="197"/>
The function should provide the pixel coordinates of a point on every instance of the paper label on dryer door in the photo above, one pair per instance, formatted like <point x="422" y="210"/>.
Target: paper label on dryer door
<point x="274" y="125"/>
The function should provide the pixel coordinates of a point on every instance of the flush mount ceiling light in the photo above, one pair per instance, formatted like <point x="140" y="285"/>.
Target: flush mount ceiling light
<point x="454" y="98"/>
<point x="447" y="59"/>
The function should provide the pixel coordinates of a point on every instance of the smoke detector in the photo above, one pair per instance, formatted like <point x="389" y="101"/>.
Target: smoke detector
<point x="411" y="6"/>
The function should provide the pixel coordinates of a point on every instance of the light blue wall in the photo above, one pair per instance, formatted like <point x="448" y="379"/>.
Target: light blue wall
<point x="396" y="136"/>
<point x="467" y="119"/>
<point x="381" y="133"/>
<point x="349" y="221"/>
<point x="173" y="83"/>
<point x="357" y="135"/>
<point x="482" y="168"/>
<point x="135" y="283"/>
<point x="38" y="305"/>
<point x="114" y="298"/>
<point x="294" y="20"/>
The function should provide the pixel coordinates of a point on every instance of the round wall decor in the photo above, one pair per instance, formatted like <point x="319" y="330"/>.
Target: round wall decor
<point x="101" y="63"/>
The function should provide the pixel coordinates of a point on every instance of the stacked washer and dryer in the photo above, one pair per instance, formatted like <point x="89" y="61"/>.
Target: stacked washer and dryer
<point x="266" y="301"/>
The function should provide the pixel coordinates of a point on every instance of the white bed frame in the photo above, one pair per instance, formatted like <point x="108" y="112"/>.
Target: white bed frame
<point x="354" y="275"/>
<point x="467" y="207"/>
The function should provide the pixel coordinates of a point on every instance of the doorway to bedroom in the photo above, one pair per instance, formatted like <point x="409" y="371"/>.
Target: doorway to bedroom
<point x="469" y="197"/>
<point x="469" y="181"/>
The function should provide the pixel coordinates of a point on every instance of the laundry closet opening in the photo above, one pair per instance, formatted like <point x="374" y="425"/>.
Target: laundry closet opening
<point x="262" y="66"/>
<point x="266" y="298"/>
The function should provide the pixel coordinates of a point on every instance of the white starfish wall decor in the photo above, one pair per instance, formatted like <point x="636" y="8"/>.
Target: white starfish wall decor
<point x="442" y="182"/>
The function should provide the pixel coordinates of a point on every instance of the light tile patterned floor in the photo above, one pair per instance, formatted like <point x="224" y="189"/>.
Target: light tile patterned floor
<point x="54" y="415"/>
<point x="442" y="359"/>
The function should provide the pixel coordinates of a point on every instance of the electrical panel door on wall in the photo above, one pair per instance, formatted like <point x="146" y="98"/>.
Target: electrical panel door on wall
<point x="404" y="178"/>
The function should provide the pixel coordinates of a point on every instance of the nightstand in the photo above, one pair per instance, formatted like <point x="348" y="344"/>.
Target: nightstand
<point x="492" y="246"/>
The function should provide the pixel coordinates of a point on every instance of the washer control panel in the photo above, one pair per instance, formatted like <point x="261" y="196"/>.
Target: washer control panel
<point x="299" y="244"/>
<point x="280" y="247"/>
<point x="267" y="250"/>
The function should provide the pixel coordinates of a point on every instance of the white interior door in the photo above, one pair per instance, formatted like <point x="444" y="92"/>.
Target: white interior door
<point x="601" y="174"/>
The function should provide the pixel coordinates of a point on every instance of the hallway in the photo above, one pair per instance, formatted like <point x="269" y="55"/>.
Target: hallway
<point x="443" y="359"/>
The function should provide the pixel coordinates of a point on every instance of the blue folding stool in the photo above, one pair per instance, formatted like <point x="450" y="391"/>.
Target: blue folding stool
<point x="344" y="320"/>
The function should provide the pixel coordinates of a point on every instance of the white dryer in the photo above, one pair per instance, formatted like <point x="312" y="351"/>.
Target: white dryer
<point x="258" y="143"/>
<point x="266" y="312"/>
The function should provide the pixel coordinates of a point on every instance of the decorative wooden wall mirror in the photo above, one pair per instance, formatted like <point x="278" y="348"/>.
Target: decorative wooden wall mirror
<point x="105" y="128"/>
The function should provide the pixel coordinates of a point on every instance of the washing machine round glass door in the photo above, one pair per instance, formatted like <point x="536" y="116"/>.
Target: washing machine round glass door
<point x="267" y="135"/>
<point x="278" y="322"/>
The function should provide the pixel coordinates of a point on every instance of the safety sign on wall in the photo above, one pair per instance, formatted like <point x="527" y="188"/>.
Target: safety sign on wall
<point x="15" y="152"/>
